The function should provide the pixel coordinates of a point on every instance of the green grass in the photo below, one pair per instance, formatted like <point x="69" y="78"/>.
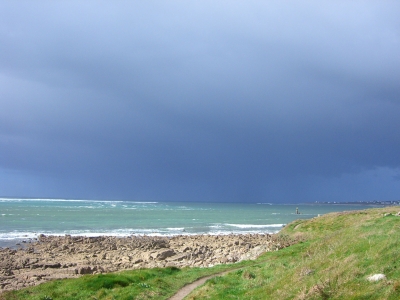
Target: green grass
<point x="157" y="283"/>
<point x="339" y="252"/>
<point x="336" y="254"/>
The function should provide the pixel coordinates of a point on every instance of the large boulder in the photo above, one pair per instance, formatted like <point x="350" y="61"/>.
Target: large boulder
<point x="179" y="257"/>
<point x="162" y="254"/>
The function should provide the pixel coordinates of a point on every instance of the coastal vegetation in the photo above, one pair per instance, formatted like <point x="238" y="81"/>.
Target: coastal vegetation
<point x="333" y="257"/>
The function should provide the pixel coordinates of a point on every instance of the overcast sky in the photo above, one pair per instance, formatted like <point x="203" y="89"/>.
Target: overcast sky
<point x="251" y="101"/>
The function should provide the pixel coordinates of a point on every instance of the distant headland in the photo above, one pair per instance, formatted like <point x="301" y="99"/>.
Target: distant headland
<point x="373" y="202"/>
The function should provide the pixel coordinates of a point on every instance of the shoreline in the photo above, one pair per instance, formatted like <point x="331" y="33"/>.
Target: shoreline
<point x="21" y="241"/>
<point x="57" y="257"/>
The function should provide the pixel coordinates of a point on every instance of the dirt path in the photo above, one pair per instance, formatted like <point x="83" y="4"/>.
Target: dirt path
<point x="187" y="289"/>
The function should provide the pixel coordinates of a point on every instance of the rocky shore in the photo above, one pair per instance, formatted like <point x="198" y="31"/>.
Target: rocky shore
<point x="55" y="257"/>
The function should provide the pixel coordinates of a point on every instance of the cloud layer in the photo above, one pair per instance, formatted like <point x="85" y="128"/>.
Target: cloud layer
<point x="200" y="101"/>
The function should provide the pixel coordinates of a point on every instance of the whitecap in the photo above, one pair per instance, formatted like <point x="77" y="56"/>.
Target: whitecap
<point x="254" y="226"/>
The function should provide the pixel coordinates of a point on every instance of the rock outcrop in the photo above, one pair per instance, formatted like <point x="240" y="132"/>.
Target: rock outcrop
<point x="54" y="257"/>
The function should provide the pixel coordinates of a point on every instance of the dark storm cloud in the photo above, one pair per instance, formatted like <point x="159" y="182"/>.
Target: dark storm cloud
<point x="227" y="101"/>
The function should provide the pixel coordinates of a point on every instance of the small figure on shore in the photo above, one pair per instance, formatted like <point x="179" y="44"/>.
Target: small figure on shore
<point x="297" y="211"/>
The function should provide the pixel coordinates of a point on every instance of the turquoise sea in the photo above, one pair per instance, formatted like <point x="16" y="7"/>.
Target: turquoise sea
<point x="27" y="218"/>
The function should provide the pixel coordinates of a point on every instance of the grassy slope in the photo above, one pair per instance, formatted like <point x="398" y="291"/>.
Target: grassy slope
<point x="157" y="283"/>
<point x="338" y="252"/>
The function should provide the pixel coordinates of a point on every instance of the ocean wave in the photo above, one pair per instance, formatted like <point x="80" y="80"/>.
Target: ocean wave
<point x="53" y="200"/>
<point x="218" y="229"/>
<point x="254" y="226"/>
<point x="239" y="232"/>
<point x="18" y="235"/>
<point x="77" y="200"/>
